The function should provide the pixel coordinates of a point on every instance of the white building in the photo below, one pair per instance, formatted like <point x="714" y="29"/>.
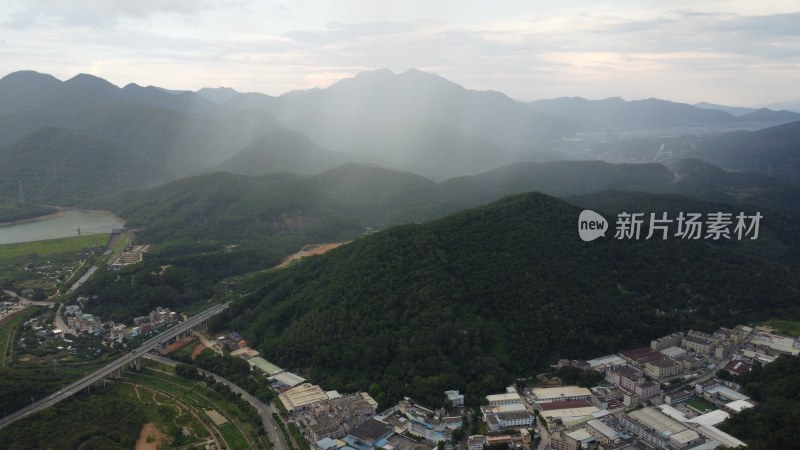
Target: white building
<point x="508" y="398"/>
<point x="560" y="394"/>
<point x="514" y="419"/>
<point x="455" y="399"/>
<point x="476" y="442"/>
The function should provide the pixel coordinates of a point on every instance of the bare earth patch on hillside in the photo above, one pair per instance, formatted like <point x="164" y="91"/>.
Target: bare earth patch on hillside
<point x="309" y="250"/>
<point x="150" y="437"/>
<point x="197" y="350"/>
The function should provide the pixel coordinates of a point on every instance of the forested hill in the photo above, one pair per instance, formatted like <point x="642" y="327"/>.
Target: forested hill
<point x="472" y="300"/>
<point x="340" y="202"/>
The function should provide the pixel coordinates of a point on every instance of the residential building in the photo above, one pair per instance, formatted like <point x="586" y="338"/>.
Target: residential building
<point x="572" y="440"/>
<point x="455" y="399"/>
<point x="476" y="442"/>
<point x="690" y="361"/>
<point x="698" y="342"/>
<point x="638" y="357"/>
<point x="678" y="397"/>
<point x="741" y="332"/>
<point x="724" y="348"/>
<point x="607" y="398"/>
<point x="425" y="431"/>
<point x="647" y="389"/>
<point x="453" y="422"/>
<point x="602" y="432"/>
<point x="140" y="320"/>
<point x="626" y="377"/>
<point x="702" y="387"/>
<point x="671" y="340"/>
<point x="661" y="369"/>
<point x="650" y="425"/>
<point x="515" y="419"/>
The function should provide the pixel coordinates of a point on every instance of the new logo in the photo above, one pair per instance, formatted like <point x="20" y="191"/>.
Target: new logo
<point x="591" y="225"/>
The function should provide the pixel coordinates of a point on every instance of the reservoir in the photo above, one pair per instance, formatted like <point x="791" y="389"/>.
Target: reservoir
<point x="65" y="225"/>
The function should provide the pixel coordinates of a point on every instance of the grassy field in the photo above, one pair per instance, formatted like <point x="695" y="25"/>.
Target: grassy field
<point x="783" y="326"/>
<point x="45" y="265"/>
<point x="238" y="433"/>
<point x="169" y="415"/>
<point x="8" y="329"/>
<point x="51" y="246"/>
<point x="700" y="405"/>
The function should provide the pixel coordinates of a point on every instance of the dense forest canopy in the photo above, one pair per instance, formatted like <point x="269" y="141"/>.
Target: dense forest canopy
<point x="472" y="300"/>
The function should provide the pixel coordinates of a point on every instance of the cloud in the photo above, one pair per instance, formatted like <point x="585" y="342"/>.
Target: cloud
<point x="100" y="13"/>
<point x="527" y="49"/>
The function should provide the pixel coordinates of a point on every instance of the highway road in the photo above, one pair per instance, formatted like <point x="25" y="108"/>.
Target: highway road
<point x="109" y="368"/>
<point x="264" y="410"/>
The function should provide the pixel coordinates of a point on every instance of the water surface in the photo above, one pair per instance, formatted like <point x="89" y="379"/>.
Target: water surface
<point x="65" y="225"/>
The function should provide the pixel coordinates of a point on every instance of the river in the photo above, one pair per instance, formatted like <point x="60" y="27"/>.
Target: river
<point x="64" y="225"/>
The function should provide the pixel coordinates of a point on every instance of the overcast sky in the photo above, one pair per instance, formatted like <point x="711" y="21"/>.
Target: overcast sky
<point x="737" y="52"/>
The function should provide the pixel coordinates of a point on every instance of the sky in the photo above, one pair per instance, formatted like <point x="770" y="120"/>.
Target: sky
<point x="735" y="52"/>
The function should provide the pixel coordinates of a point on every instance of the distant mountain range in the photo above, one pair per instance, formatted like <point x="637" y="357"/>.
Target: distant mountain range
<point x="774" y="151"/>
<point x="412" y="121"/>
<point x="618" y="115"/>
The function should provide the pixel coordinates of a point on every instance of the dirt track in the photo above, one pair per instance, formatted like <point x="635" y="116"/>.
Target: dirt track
<point x="309" y="250"/>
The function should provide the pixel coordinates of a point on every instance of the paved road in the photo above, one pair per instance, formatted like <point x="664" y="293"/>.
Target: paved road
<point x="264" y="410"/>
<point x="26" y="301"/>
<point x="111" y="367"/>
<point x="60" y="324"/>
<point x="83" y="279"/>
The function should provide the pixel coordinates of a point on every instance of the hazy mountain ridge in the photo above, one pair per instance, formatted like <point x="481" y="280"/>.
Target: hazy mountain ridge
<point x="413" y="121"/>
<point x="77" y="167"/>
<point x="734" y="110"/>
<point x="774" y="151"/>
<point x="234" y="208"/>
<point x="618" y="115"/>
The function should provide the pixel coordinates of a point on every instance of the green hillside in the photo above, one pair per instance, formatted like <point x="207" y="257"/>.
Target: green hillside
<point x="474" y="299"/>
<point x="339" y="203"/>
<point x="774" y="420"/>
<point x="774" y="151"/>
<point x="60" y="167"/>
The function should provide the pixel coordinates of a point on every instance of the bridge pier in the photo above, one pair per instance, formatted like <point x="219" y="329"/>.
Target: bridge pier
<point x="136" y="364"/>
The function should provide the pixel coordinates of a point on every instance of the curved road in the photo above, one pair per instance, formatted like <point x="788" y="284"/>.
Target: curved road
<point x="264" y="410"/>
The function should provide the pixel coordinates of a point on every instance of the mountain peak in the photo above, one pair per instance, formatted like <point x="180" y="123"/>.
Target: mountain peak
<point x="218" y="94"/>
<point x="29" y="76"/>
<point x="377" y="73"/>
<point x="87" y="80"/>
